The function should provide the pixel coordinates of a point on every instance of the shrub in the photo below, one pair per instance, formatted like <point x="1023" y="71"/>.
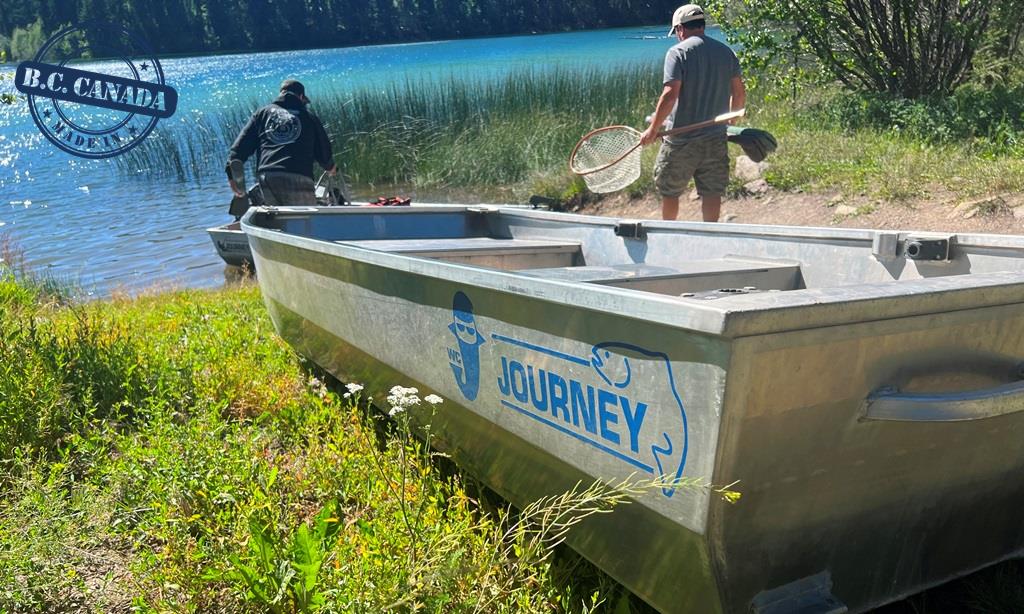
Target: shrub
<point x="992" y="118"/>
<point x="905" y="48"/>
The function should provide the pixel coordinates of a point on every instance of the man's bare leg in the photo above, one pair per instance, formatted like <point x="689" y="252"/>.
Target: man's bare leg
<point x="669" y="207"/>
<point x="711" y="207"/>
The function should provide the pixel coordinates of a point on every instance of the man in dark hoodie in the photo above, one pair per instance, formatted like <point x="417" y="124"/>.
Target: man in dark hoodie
<point x="288" y="139"/>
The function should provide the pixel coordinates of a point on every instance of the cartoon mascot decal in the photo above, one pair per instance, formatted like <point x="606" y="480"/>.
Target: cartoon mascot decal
<point x="465" y="361"/>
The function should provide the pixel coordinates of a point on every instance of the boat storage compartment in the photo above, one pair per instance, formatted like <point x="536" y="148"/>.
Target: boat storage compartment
<point x="506" y="254"/>
<point x="684" y="277"/>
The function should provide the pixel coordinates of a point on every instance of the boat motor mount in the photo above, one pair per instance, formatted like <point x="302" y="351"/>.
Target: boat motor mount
<point x="927" y="249"/>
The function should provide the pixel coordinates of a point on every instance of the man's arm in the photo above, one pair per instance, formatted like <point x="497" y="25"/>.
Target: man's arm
<point x="667" y="101"/>
<point x="322" y="148"/>
<point x="243" y="147"/>
<point x="739" y="94"/>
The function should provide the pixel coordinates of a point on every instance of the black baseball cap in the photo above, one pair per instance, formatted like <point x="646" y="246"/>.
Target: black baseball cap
<point x="293" y="86"/>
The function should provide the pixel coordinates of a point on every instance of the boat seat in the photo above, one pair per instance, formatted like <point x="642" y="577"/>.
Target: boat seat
<point x="506" y="254"/>
<point x="684" y="276"/>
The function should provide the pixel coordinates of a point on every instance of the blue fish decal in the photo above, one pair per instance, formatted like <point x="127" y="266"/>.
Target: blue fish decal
<point x="611" y="361"/>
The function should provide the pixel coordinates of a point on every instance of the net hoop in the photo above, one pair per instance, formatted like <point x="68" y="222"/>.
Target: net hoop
<point x="609" y="158"/>
<point x="574" y="157"/>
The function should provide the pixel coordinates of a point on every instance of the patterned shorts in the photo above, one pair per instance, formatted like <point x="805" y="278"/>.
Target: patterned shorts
<point x="705" y="160"/>
<point x="287" y="190"/>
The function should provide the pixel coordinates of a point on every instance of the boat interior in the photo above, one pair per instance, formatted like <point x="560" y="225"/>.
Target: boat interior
<point x="687" y="260"/>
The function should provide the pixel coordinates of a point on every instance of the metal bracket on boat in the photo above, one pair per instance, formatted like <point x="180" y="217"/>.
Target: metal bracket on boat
<point x="929" y="249"/>
<point x="810" y="595"/>
<point x="631" y="230"/>
<point x="710" y="295"/>
<point x="885" y="245"/>
<point x="268" y="210"/>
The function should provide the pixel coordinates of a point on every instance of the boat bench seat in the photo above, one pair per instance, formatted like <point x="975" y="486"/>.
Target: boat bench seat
<point x="684" y="276"/>
<point x="506" y="254"/>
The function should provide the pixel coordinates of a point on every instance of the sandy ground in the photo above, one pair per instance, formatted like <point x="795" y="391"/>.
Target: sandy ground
<point x="1002" y="214"/>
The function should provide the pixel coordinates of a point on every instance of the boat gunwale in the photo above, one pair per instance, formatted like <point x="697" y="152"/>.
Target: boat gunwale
<point x="867" y="235"/>
<point x="733" y="316"/>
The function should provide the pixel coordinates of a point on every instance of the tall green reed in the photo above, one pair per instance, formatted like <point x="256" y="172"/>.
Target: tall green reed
<point x="454" y="132"/>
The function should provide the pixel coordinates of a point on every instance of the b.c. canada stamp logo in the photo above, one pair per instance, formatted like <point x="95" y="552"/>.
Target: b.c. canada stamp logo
<point x="95" y="90"/>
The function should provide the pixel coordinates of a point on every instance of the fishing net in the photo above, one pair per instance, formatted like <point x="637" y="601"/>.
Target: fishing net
<point x="608" y="159"/>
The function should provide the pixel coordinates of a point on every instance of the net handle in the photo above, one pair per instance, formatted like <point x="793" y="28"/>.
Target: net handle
<point x="724" y="117"/>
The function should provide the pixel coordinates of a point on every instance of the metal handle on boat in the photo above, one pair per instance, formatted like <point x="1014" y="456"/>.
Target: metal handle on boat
<point x="891" y="404"/>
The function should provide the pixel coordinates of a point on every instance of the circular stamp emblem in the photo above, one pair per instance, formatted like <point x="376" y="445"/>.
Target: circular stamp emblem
<point x="283" y="126"/>
<point x="95" y="90"/>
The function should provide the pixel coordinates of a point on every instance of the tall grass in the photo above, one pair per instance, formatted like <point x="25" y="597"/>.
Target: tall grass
<point x="171" y="453"/>
<point x="891" y="163"/>
<point x="449" y="133"/>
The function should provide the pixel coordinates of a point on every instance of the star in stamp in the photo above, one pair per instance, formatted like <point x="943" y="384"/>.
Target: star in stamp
<point x="95" y="90"/>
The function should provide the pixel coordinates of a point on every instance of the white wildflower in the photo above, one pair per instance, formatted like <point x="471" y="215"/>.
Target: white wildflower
<point x="354" y="388"/>
<point x="401" y="396"/>
<point x="317" y="387"/>
<point x="401" y="399"/>
<point x="433" y="399"/>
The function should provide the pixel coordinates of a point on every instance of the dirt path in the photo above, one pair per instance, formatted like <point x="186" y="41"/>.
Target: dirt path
<point x="987" y="215"/>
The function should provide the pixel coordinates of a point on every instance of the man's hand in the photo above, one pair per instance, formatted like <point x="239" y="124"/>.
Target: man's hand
<point x="649" y="136"/>
<point x="234" y="188"/>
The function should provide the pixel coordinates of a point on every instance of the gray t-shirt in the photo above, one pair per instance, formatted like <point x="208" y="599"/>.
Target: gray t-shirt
<point x="706" y="68"/>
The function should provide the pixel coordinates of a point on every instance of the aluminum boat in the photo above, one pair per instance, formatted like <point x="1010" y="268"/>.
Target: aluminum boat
<point x="862" y="388"/>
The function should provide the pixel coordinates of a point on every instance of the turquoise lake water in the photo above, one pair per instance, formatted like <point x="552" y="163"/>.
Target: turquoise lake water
<point x="86" y="221"/>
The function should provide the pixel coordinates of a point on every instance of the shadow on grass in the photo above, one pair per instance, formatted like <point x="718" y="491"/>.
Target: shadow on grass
<point x="996" y="590"/>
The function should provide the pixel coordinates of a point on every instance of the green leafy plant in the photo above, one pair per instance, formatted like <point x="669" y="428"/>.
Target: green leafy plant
<point x="282" y="573"/>
<point x="6" y="97"/>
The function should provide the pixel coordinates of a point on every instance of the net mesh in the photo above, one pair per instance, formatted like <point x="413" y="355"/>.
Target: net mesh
<point x="601" y="149"/>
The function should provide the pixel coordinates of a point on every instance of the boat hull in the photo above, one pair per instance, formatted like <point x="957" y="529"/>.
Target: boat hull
<point x="849" y="499"/>
<point x="232" y="244"/>
<point x="520" y="471"/>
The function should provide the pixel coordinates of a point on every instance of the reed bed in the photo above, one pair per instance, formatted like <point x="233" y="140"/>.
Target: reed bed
<point x="511" y="137"/>
<point x="456" y="132"/>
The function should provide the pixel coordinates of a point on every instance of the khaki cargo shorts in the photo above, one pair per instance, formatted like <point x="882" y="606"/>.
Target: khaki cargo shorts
<point x="705" y="160"/>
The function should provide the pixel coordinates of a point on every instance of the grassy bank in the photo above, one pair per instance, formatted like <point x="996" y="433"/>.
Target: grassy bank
<point x="511" y="137"/>
<point x="170" y="453"/>
<point x="887" y="159"/>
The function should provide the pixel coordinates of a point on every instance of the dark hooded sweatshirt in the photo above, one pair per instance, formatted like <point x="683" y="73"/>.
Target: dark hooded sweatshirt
<point x="287" y="136"/>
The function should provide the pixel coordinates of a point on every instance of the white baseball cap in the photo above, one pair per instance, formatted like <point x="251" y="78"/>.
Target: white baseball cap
<point x="686" y="14"/>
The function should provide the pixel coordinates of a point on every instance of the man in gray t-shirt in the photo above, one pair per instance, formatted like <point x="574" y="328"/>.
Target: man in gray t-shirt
<point x="702" y="80"/>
